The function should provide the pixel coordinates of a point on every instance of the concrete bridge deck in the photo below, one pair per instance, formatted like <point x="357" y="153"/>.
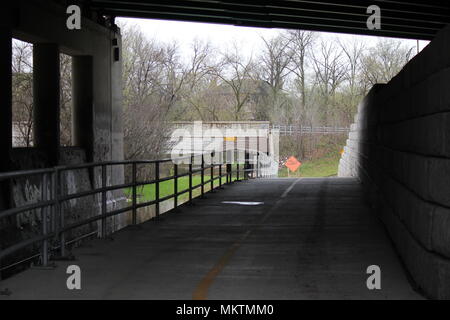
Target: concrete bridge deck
<point x="310" y="239"/>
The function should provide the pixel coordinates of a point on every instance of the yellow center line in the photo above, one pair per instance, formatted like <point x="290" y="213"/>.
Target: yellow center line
<point x="201" y="291"/>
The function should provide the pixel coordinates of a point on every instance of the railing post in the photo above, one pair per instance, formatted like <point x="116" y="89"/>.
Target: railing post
<point x="157" y="188"/>
<point x="190" y="179"/>
<point x="212" y="172"/>
<point x="229" y="173"/>
<point x="220" y="176"/>
<point x="104" y="203"/>
<point x="202" y="177"/>
<point x="237" y="171"/>
<point x="134" y="193"/>
<point x="226" y="175"/>
<point x="44" y="197"/>
<point x="175" y="185"/>
<point x="246" y="163"/>
<point x="53" y="197"/>
<point x="257" y="165"/>
<point x="59" y="212"/>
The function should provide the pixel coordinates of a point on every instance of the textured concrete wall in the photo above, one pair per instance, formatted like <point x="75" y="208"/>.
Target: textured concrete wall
<point x="30" y="190"/>
<point x="399" y="147"/>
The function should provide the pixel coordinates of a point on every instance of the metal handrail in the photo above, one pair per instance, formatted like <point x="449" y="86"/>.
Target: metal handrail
<point x="300" y="129"/>
<point x="51" y="209"/>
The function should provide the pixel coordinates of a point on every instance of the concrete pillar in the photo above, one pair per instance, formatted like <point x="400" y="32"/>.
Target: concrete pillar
<point x="46" y="86"/>
<point x="5" y="98"/>
<point x="82" y="97"/>
<point x="6" y="113"/>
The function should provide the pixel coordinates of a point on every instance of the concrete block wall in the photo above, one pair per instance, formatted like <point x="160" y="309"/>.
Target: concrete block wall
<point x="399" y="147"/>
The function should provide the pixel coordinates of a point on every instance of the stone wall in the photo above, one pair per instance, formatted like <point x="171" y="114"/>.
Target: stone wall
<point x="399" y="147"/>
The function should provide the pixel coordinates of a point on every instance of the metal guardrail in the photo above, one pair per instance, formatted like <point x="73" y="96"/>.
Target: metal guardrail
<point x="51" y="208"/>
<point x="288" y="130"/>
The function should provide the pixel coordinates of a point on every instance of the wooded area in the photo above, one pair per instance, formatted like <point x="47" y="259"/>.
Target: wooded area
<point x="298" y="77"/>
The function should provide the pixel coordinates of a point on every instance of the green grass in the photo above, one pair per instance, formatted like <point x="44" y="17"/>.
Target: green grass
<point x="323" y="167"/>
<point x="147" y="192"/>
<point x="166" y="188"/>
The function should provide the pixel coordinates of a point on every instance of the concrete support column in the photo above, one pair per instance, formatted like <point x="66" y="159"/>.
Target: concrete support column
<point x="5" y="98"/>
<point x="46" y="87"/>
<point x="82" y="97"/>
<point x="6" y="114"/>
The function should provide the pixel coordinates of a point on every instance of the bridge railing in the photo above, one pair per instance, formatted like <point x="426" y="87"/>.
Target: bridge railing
<point x="54" y="227"/>
<point x="295" y="129"/>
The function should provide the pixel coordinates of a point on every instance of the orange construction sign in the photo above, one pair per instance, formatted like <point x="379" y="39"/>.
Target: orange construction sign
<point x="292" y="163"/>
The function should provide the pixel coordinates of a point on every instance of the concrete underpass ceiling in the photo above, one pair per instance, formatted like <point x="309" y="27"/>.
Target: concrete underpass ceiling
<point x="414" y="19"/>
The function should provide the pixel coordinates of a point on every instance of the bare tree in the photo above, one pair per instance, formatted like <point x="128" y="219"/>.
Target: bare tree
<point x="22" y="93"/>
<point x="300" y="45"/>
<point x="238" y="73"/>
<point x="150" y="87"/>
<point x="355" y="87"/>
<point x="353" y="52"/>
<point x="275" y="60"/>
<point x="330" y="71"/>
<point x="384" y="60"/>
<point x="202" y="90"/>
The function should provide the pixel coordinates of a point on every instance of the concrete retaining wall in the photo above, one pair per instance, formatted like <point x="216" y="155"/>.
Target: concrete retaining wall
<point x="399" y="147"/>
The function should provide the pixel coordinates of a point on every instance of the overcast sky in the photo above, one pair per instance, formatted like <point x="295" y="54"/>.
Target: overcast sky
<point x="248" y="38"/>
